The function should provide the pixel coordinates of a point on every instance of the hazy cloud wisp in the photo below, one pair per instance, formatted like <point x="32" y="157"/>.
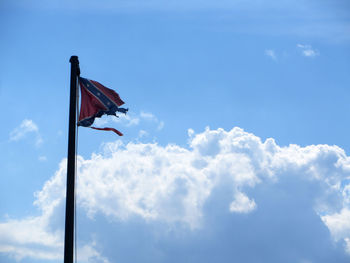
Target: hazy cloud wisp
<point x="308" y="51"/>
<point x="26" y="127"/>
<point x="271" y="53"/>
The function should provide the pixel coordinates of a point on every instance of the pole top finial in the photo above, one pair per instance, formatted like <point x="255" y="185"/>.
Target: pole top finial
<point x="75" y="60"/>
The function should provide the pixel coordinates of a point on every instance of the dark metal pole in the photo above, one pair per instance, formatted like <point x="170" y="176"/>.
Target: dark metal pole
<point x="69" y="227"/>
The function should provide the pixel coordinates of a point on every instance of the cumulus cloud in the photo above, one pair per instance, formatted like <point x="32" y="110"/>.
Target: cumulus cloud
<point x="221" y="173"/>
<point x="32" y="237"/>
<point x="242" y="204"/>
<point x="41" y="237"/>
<point x="339" y="225"/>
<point x="26" y="127"/>
<point x="308" y="51"/>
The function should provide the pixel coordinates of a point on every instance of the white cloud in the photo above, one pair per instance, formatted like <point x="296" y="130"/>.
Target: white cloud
<point x="242" y="204"/>
<point x="190" y="132"/>
<point x="132" y="119"/>
<point x="88" y="253"/>
<point x="148" y="116"/>
<point x="40" y="237"/>
<point x="160" y="125"/>
<point x="271" y="53"/>
<point x="339" y="225"/>
<point x="32" y="236"/>
<point x="42" y="158"/>
<point x="347" y="245"/>
<point x="172" y="185"/>
<point x="125" y="120"/>
<point x="142" y="133"/>
<point x="19" y="239"/>
<point x="308" y="51"/>
<point x="26" y="127"/>
<point x="101" y="121"/>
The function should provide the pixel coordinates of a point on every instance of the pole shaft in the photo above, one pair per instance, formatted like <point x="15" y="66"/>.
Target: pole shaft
<point x="69" y="225"/>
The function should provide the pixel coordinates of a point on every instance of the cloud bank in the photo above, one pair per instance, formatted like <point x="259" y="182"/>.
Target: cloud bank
<point x="227" y="186"/>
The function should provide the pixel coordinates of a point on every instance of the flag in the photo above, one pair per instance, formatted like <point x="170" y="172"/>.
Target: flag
<point x="97" y="100"/>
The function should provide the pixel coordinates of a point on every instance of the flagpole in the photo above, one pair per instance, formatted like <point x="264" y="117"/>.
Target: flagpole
<point x="69" y="224"/>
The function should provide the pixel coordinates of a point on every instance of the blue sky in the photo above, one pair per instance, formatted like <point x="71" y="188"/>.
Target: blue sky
<point x="234" y="149"/>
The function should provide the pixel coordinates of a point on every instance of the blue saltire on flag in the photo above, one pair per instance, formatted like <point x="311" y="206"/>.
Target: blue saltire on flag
<point x="97" y="100"/>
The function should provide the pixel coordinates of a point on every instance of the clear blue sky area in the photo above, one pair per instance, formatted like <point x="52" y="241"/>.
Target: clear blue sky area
<point x="172" y="189"/>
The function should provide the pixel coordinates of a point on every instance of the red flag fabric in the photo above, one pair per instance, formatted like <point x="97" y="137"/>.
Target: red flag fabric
<point x="96" y="101"/>
<point x="108" y="129"/>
